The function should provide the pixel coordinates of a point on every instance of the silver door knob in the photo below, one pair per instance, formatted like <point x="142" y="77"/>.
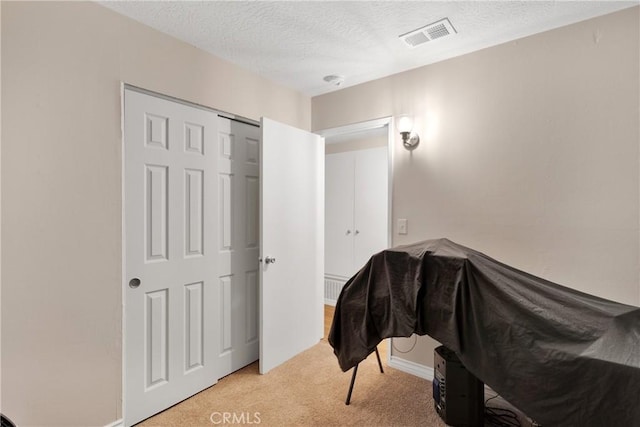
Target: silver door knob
<point x="357" y="232"/>
<point x="134" y="283"/>
<point x="348" y="232"/>
<point x="269" y="260"/>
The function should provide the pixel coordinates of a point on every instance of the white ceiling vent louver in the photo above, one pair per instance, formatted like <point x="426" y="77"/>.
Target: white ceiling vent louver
<point x="429" y="32"/>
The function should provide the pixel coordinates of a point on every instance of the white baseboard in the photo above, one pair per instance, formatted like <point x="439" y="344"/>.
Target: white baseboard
<point x="330" y="302"/>
<point x="412" y="368"/>
<point x="118" y="423"/>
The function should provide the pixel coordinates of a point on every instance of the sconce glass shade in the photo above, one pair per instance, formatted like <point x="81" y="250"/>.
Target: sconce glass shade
<point x="405" y="124"/>
<point x="410" y="140"/>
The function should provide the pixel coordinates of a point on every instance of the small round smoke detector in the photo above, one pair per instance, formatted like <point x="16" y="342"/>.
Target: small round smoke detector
<point x="334" y="79"/>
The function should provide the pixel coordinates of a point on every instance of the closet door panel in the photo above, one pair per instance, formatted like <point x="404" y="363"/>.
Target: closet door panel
<point x="370" y="207"/>
<point x="339" y="199"/>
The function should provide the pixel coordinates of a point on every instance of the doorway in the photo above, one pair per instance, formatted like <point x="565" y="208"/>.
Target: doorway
<point x="358" y="194"/>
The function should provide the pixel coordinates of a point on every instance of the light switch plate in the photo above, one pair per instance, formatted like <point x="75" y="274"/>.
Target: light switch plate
<point x="402" y="226"/>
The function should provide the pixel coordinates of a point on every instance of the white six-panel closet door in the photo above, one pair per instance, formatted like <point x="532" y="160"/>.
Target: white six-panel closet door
<point x="171" y="294"/>
<point x="238" y="245"/>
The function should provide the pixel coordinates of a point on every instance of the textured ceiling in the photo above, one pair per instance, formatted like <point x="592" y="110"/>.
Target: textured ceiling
<point x="297" y="43"/>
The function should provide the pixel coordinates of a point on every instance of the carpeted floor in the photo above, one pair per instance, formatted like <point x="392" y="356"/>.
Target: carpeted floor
<point x="308" y="390"/>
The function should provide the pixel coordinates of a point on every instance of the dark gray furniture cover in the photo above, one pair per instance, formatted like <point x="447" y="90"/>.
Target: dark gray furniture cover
<point x="563" y="357"/>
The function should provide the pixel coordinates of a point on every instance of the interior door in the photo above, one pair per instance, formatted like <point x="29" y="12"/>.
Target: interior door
<point x="339" y="226"/>
<point x="291" y="242"/>
<point x="238" y="246"/>
<point x="171" y="295"/>
<point x="371" y="186"/>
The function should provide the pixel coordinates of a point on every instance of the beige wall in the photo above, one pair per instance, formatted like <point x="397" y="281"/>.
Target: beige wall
<point x="62" y="66"/>
<point x="529" y="153"/>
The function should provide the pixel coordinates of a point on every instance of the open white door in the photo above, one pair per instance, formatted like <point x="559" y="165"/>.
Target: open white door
<point x="291" y="242"/>
<point x="171" y="296"/>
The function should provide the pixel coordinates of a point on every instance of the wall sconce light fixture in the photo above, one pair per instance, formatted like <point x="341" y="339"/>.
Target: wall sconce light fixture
<point x="410" y="140"/>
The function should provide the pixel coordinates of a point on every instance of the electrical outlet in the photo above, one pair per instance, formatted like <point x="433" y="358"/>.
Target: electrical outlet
<point x="402" y="226"/>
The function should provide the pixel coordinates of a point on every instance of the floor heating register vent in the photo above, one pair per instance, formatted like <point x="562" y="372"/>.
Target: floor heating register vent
<point x="332" y="288"/>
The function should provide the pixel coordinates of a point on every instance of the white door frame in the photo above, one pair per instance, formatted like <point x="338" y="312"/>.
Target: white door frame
<point x="366" y="126"/>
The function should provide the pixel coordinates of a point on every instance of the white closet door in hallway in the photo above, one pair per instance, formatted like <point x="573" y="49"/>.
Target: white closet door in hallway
<point x="171" y="336"/>
<point x="356" y="209"/>
<point x="238" y="244"/>
<point x="339" y="200"/>
<point x="370" y="204"/>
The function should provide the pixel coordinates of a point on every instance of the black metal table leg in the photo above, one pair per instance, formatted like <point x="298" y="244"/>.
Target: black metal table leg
<point x="355" y="372"/>
<point x="353" y="380"/>
<point x="379" y="362"/>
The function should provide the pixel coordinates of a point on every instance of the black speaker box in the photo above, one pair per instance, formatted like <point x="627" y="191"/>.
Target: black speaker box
<point x="458" y="395"/>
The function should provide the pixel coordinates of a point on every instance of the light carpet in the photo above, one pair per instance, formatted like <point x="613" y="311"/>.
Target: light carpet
<point x="308" y="390"/>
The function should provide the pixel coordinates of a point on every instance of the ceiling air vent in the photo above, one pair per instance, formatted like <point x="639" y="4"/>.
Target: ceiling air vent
<point x="429" y="32"/>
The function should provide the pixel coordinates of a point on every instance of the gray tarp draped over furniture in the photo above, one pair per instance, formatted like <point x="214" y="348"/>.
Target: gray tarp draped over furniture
<point x="563" y="357"/>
